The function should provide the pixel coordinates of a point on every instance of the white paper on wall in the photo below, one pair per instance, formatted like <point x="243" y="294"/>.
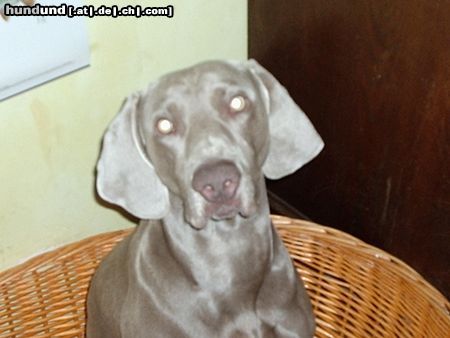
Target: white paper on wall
<point x="37" y="49"/>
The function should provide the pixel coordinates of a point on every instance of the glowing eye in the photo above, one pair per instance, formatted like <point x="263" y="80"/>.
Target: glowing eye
<point x="164" y="126"/>
<point x="237" y="103"/>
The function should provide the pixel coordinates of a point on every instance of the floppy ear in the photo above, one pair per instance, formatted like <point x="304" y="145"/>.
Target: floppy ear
<point x="125" y="176"/>
<point x="293" y="139"/>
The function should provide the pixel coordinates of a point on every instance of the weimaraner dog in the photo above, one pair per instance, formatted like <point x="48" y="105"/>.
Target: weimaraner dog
<point x="188" y="156"/>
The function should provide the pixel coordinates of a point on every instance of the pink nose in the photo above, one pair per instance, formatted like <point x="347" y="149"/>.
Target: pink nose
<point x="216" y="181"/>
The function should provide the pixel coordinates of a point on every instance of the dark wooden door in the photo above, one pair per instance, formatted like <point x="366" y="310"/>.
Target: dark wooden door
<point x="374" y="77"/>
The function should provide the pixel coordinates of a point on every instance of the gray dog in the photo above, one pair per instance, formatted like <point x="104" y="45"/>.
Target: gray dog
<point x="188" y="156"/>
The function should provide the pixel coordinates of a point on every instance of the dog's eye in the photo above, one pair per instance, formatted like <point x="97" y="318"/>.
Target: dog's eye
<point x="165" y="126"/>
<point x="237" y="103"/>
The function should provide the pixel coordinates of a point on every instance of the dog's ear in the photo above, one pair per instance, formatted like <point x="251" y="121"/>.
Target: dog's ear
<point x="293" y="139"/>
<point x="125" y="175"/>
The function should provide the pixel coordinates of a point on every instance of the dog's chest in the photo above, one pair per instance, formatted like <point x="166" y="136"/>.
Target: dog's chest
<point x="231" y="263"/>
<point x="215" y="297"/>
<point x="196" y="317"/>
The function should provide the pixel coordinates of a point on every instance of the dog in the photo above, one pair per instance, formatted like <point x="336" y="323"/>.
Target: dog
<point x="188" y="156"/>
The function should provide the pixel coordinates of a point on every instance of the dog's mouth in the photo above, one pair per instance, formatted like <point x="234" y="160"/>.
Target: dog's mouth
<point x="216" y="212"/>
<point x="221" y="211"/>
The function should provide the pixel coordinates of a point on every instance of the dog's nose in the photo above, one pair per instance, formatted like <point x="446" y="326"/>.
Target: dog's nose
<point x="216" y="181"/>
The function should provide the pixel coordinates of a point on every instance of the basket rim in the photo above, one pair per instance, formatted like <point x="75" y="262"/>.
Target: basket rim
<point x="58" y="253"/>
<point x="348" y="240"/>
<point x="282" y="223"/>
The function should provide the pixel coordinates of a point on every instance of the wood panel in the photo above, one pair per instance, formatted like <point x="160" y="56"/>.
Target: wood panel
<point x="374" y="77"/>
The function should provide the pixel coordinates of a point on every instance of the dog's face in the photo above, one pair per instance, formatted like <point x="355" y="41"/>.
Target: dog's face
<point x="206" y="134"/>
<point x="205" y="131"/>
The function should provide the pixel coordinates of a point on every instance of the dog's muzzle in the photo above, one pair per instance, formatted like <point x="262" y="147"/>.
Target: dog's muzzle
<point x="218" y="182"/>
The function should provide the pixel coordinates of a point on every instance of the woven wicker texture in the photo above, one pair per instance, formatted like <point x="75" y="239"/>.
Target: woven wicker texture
<point x="356" y="290"/>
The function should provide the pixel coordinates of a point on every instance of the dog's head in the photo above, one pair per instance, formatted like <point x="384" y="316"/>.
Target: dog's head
<point x="206" y="134"/>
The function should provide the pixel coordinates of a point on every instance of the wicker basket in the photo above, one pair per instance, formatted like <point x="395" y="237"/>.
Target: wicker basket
<point x="356" y="290"/>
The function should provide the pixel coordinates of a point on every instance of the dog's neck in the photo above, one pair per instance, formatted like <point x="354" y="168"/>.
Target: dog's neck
<point x="217" y="255"/>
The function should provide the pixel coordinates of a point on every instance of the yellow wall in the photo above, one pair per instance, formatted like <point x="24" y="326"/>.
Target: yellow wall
<point x="50" y="135"/>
